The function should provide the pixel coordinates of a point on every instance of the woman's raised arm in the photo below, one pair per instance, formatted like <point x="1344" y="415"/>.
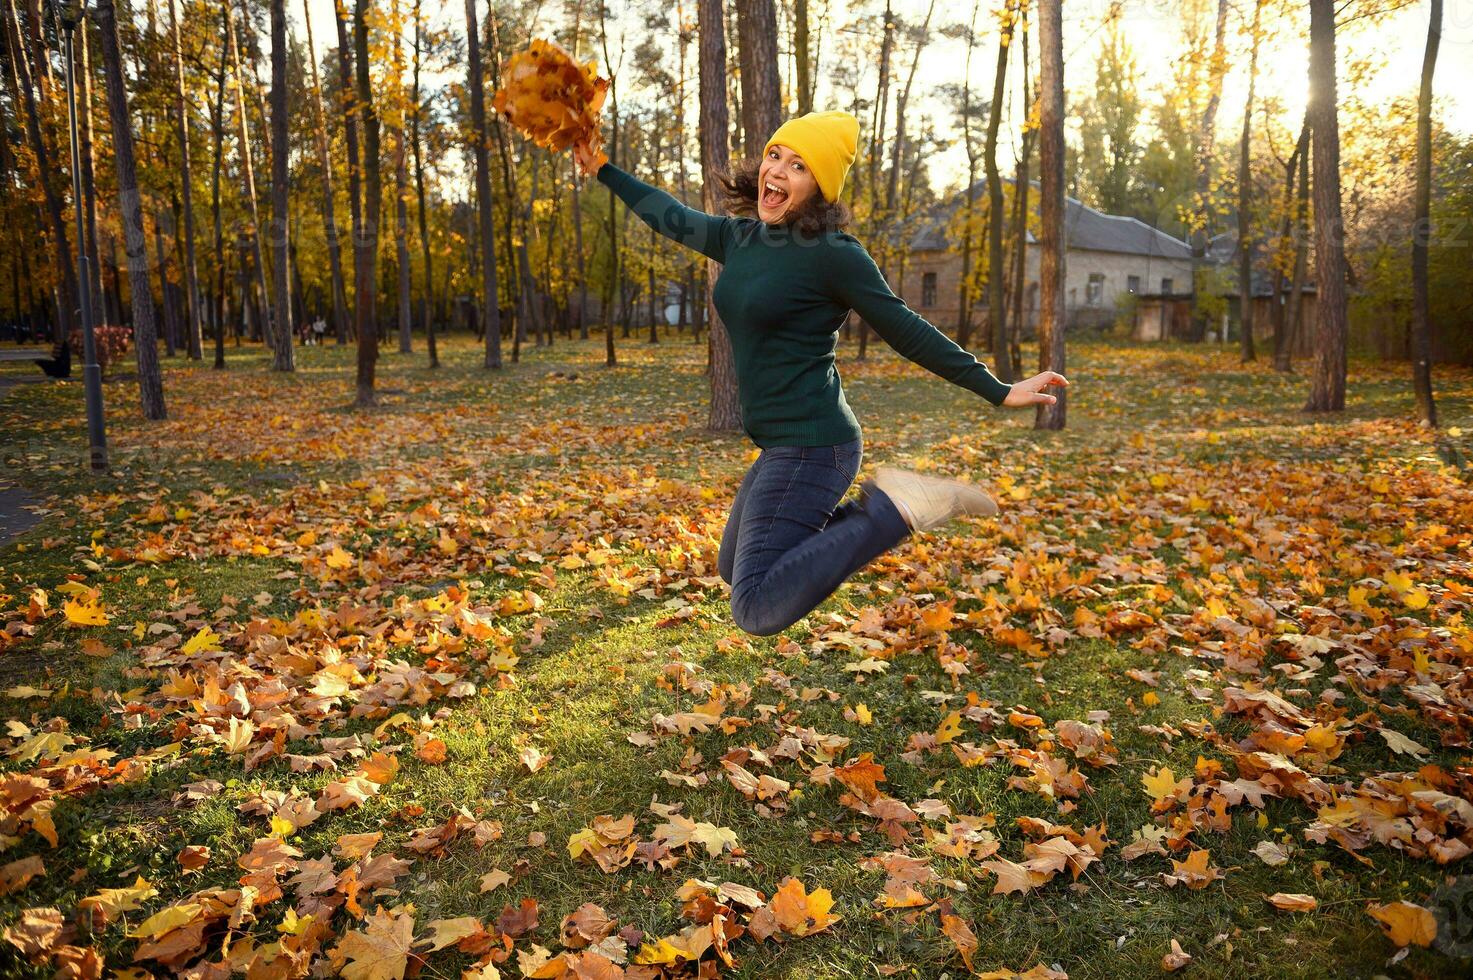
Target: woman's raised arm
<point x="707" y="234"/>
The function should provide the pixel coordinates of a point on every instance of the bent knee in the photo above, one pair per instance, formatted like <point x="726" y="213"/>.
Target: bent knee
<point x="755" y="616"/>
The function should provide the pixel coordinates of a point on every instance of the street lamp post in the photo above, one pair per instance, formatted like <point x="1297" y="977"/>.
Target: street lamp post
<point x="70" y="13"/>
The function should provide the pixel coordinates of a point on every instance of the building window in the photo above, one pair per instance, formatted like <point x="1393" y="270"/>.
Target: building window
<point x="1133" y="284"/>
<point x="928" y="289"/>
<point x="1094" y="292"/>
<point x="1165" y="287"/>
<point x="1073" y="297"/>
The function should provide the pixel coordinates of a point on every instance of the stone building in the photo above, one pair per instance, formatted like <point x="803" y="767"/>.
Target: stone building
<point x="1110" y="260"/>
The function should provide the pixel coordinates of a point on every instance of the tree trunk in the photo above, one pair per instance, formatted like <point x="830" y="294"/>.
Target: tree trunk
<point x="616" y="276"/>
<point x="762" y="98"/>
<point x="217" y="124"/>
<point x="248" y="173"/>
<point x="1001" y="357"/>
<point x="21" y="80"/>
<point x="1020" y="209"/>
<point x="964" y="281"/>
<point x="401" y="189"/>
<point x="492" y="315"/>
<point x="802" y="57"/>
<point x="1327" y="391"/>
<point x="1422" y="229"/>
<point x="1206" y="141"/>
<point x="1301" y="256"/>
<point x="130" y="212"/>
<point x="1290" y="222"/>
<point x="725" y="415"/>
<point x="194" y="341"/>
<point x="349" y="109"/>
<point x="329" y="207"/>
<point x="1245" y="199"/>
<point x="365" y="248"/>
<point x="1051" y="205"/>
<point x="427" y="311"/>
<point x="281" y="327"/>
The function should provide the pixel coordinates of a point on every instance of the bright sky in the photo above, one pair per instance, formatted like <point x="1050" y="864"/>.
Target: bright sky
<point x="1393" y="47"/>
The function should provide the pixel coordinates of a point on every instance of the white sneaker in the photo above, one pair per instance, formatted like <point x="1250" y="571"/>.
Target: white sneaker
<point x="928" y="501"/>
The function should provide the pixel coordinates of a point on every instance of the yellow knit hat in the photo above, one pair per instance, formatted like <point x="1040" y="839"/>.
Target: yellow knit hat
<point x="826" y="141"/>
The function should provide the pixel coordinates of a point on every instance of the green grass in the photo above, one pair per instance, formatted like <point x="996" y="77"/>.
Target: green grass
<point x="595" y="679"/>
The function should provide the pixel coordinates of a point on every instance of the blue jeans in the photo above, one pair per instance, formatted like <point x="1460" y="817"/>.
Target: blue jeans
<point x="789" y="544"/>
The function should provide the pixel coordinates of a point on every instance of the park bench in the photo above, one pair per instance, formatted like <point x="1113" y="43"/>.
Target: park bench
<point x="43" y="357"/>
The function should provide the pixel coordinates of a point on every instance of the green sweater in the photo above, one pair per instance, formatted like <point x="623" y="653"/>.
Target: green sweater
<point x="783" y="297"/>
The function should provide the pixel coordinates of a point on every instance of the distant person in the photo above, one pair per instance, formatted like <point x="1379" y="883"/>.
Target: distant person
<point x="319" y="330"/>
<point x="790" y="277"/>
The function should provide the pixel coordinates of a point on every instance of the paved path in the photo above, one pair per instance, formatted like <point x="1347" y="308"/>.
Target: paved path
<point x="15" y="520"/>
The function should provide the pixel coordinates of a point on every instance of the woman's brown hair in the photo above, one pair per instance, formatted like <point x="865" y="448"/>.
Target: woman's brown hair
<point x="740" y="187"/>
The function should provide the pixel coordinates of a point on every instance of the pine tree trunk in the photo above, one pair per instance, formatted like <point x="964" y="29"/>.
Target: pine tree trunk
<point x="1051" y="205"/>
<point x="715" y="124"/>
<point x="1327" y="391"/>
<point x="492" y="315"/>
<point x="762" y="100"/>
<point x="1289" y="222"/>
<point x="329" y="207"/>
<point x="349" y="108"/>
<point x="248" y="173"/>
<point x="401" y="193"/>
<point x="803" y="57"/>
<point x="217" y="124"/>
<point x="194" y="341"/>
<point x="285" y="357"/>
<point x="130" y="213"/>
<point x="427" y="306"/>
<point x="1421" y="227"/>
<point x="21" y="80"/>
<point x="365" y="273"/>
<point x="996" y="318"/>
<point x="1245" y="199"/>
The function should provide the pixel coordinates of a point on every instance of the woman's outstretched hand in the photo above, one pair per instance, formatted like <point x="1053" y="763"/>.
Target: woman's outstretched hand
<point x="1030" y="392"/>
<point x="587" y="158"/>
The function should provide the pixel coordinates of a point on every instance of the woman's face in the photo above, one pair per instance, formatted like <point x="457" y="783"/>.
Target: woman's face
<point x="784" y="184"/>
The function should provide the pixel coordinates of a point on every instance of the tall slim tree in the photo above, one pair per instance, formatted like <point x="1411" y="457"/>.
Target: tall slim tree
<point x="1207" y="141"/>
<point x="1001" y="357"/>
<point x="1327" y="389"/>
<point x="803" y="57"/>
<point x="365" y="249"/>
<point x="257" y="299"/>
<point x="492" y="315"/>
<point x="762" y="98"/>
<point x="1051" y="204"/>
<point x="399" y="115"/>
<point x="284" y="359"/>
<point x="181" y="120"/>
<point x="1421" y="226"/>
<point x="349" y="106"/>
<point x="130" y="212"/>
<point x="22" y="82"/>
<point x="217" y="132"/>
<point x="426" y="302"/>
<point x="725" y="415"/>
<point x="329" y="208"/>
<point x="1290" y="232"/>
<point x="1245" y="195"/>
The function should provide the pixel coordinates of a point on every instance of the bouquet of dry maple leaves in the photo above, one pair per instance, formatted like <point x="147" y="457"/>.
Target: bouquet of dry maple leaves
<point x="554" y="101"/>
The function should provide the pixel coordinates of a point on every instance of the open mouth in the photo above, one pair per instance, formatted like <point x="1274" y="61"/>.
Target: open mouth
<point x="773" y="196"/>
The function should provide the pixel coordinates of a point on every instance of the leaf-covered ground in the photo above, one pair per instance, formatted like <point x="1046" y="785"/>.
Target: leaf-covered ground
<point x="453" y="686"/>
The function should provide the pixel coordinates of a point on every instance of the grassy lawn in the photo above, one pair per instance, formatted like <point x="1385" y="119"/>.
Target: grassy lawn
<point x="519" y="567"/>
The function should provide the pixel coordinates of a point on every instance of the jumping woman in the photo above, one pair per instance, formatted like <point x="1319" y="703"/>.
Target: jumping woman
<point x="790" y="276"/>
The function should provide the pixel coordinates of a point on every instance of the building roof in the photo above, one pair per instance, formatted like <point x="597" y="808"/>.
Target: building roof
<point x="1084" y="228"/>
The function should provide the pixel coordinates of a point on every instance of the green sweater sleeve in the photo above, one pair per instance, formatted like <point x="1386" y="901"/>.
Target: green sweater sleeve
<point x="707" y="234"/>
<point x="857" y="282"/>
